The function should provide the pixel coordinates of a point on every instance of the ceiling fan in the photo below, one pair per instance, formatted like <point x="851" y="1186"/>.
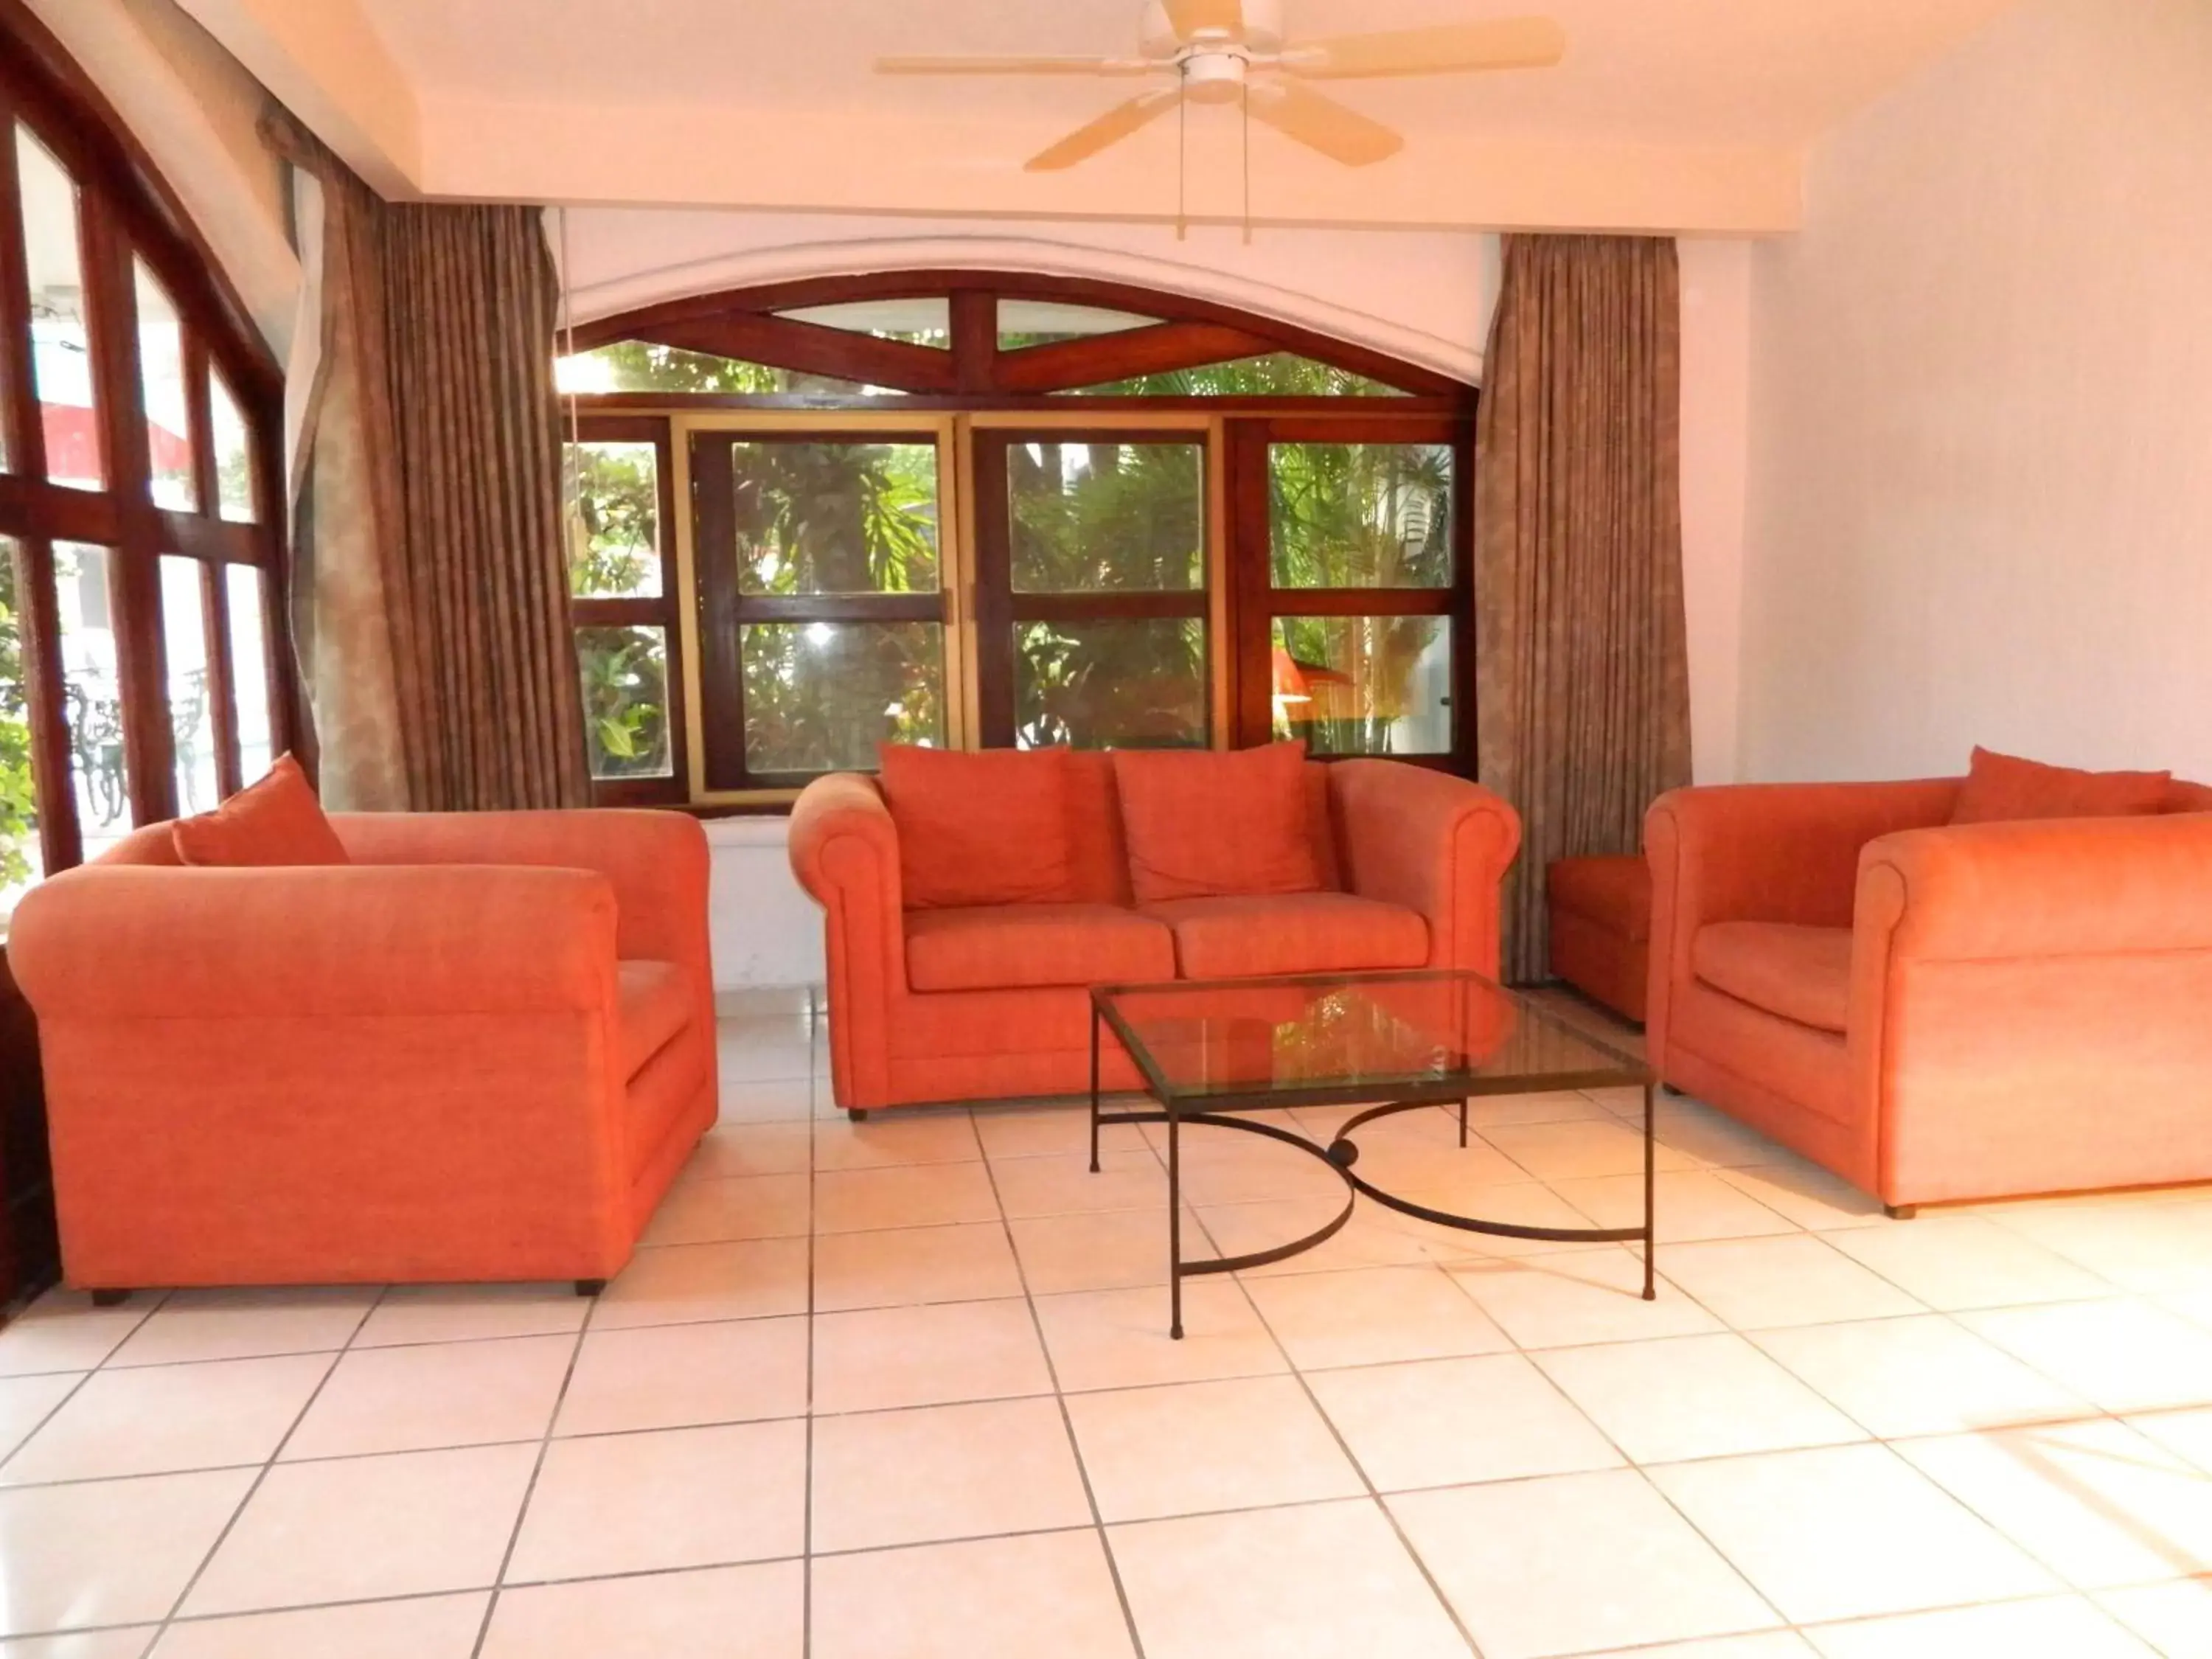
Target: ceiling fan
<point x="1225" y="52"/>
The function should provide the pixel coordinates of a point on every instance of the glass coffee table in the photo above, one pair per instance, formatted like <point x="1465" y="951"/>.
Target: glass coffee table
<point x="1406" y="1041"/>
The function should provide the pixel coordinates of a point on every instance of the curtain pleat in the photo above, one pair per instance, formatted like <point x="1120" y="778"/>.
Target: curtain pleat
<point x="1583" y="713"/>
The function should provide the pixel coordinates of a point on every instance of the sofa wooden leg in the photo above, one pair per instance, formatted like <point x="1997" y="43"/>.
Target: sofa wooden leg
<point x="590" y="1286"/>
<point x="110" y="1298"/>
<point x="858" y="1114"/>
<point x="1900" y="1212"/>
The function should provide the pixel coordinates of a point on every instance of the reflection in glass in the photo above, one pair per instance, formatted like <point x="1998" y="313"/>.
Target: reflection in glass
<point x="1115" y="683"/>
<point x="640" y="366"/>
<point x="243" y="601"/>
<point x="1273" y="375"/>
<point x="61" y="347"/>
<point x="834" y="518"/>
<point x="1360" y="515"/>
<point x="613" y="501"/>
<point x="624" y="674"/>
<point x="161" y="390"/>
<point x="92" y="696"/>
<point x="1044" y="322"/>
<point x="924" y="321"/>
<point x="819" y="696"/>
<point x="191" y="715"/>
<point x="22" y="862"/>
<point x="1365" y="685"/>
<point x="1106" y="518"/>
<point x="234" y="455"/>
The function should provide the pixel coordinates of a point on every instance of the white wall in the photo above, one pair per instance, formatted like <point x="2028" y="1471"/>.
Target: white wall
<point x="1981" y="473"/>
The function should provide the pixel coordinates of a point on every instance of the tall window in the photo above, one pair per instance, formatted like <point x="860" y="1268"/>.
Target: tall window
<point x="138" y="550"/>
<point x="981" y="509"/>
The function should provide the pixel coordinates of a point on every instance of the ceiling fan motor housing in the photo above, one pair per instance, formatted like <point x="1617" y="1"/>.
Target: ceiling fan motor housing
<point x="1262" y="31"/>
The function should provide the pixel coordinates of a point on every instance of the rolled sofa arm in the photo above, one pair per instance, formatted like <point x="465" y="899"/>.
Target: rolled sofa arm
<point x="1431" y="842"/>
<point x="844" y="850"/>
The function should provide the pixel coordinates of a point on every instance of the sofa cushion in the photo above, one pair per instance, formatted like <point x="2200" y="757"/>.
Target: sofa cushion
<point x="1232" y="936"/>
<point x="1802" y="974"/>
<point x="1009" y="946"/>
<point x="987" y="827"/>
<point x="275" y="821"/>
<point x="1614" y="892"/>
<point x="2002" y="786"/>
<point x="1200" y="823"/>
<point x="655" y="1000"/>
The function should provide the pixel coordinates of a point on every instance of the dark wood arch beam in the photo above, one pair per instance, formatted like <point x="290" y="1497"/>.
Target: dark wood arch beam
<point x="1101" y="359"/>
<point x="839" y="353"/>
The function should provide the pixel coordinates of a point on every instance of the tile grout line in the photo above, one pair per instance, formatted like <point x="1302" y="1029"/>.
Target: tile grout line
<point x="806" y="1489"/>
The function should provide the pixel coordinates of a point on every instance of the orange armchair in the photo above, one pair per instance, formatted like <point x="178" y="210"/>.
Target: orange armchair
<point x="480" y="1051"/>
<point x="1938" y="1011"/>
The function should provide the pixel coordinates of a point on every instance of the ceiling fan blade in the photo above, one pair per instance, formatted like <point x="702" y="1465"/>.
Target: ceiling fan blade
<point x="1013" y="66"/>
<point x="1111" y="128"/>
<point x="1189" y="17"/>
<point x="1338" y="132"/>
<point x="1447" y="49"/>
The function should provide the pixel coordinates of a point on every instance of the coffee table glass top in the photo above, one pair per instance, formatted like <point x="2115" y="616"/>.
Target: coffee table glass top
<point x="1333" y="1038"/>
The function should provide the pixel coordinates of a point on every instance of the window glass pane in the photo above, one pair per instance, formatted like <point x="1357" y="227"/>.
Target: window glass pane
<point x="1104" y="518"/>
<point x="192" y="718"/>
<point x="918" y="322"/>
<point x="1360" y="515"/>
<point x="832" y="518"/>
<point x="1365" y="685"/>
<point x="1111" y="683"/>
<point x="61" y="350"/>
<point x="625" y="678"/>
<point x="233" y="456"/>
<point x="245" y="602"/>
<point x="92" y="696"/>
<point x="638" y="366"/>
<point x="819" y="696"/>
<point x="1044" y="322"/>
<point x="1275" y="374"/>
<point x="161" y="391"/>
<point x="20" y="861"/>
<point x="614" y="520"/>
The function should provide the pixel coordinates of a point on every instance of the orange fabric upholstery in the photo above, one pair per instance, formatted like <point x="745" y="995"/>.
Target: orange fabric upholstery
<point x="2002" y="787"/>
<point x="989" y="827"/>
<point x="1002" y="946"/>
<point x="1600" y="927"/>
<point x="1199" y="823"/>
<point x="2023" y="1000"/>
<point x="276" y="820"/>
<point x="418" y="1065"/>
<point x="1800" y="973"/>
<point x="1244" y="935"/>
<point x="1428" y="843"/>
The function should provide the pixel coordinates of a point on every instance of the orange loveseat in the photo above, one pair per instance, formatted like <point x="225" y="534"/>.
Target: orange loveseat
<point x="1939" y="1010"/>
<point x="990" y="1001"/>
<point x="481" y="1050"/>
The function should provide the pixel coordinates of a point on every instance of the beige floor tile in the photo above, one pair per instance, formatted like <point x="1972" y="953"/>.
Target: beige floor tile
<point x="2189" y="1433"/>
<point x="1688" y="1206"/>
<point x="127" y="1643"/>
<point x="1193" y="1446"/>
<point x="902" y="1266"/>
<point x="161" y="1419"/>
<point x="1574" y="1564"/>
<point x="783" y="1100"/>
<point x="2049" y="1627"/>
<point x="1847" y="1532"/>
<point x="903" y="1195"/>
<point x="1042" y="1594"/>
<point x="1925" y="1375"/>
<point x="1762" y="1644"/>
<point x="688" y="1284"/>
<point x="108" y="1552"/>
<point x="1045" y="1131"/>
<point x="881" y="1358"/>
<point x="745" y="1207"/>
<point x="1119" y="1338"/>
<point x="1709" y="1135"/>
<point x="942" y="1471"/>
<point x="423" y="1627"/>
<point x="1588" y="1296"/>
<point x="2095" y="1501"/>
<point x="1255" y="1170"/>
<point x="1111" y="1251"/>
<point x="676" y="1497"/>
<point x="62" y="1331"/>
<point x="1061" y="1183"/>
<point x="1318" y="1579"/>
<point x="672" y="1376"/>
<point x="1756" y="1284"/>
<point x="1809" y="1195"/>
<point x="1204" y="1140"/>
<point x="1564" y="1152"/>
<point x="1966" y="1262"/>
<point x="414" y="1523"/>
<point x="1373" y="1315"/>
<point x="1379" y="1236"/>
<point x="886" y="1140"/>
<point x="246" y="1324"/>
<point x="1454" y="1422"/>
<point x="2143" y="1245"/>
<point x="757" y="1612"/>
<point x="764" y="1053"/>
<point x="440" y="1394"/>
<point x="2175" y="1618"/>
<point x="2123" y="1356"/>
<point x="468" y="1313"/>
<point x="1436" y="1125"/>
<point x="732" y="1150"/>
<point x="1403" y="1165"/>
<point x="2195" y="1306"/>
<point x="27" y="1401"/>
<point x="1555" y="1106"/>
<point x="1695" y="1396"/>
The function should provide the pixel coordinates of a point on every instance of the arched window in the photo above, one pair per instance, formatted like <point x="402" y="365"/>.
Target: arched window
<point x="140" y="501"/>
<point x="990" y="509"/>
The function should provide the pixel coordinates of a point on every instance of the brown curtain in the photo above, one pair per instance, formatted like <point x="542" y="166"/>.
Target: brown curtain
<point x="433" y="622"/>
<point x="1583" y="715"/>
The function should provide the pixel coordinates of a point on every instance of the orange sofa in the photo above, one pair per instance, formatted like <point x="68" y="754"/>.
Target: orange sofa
<point x="481" y="1050"/>
<point x="990" y="1001"/>
<point x="1936" y="1011"/>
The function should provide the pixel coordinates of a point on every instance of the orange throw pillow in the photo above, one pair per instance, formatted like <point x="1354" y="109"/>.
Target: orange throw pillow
<point x="2002" y="787"/>
<point x="987" y="827"/>
<point x="1200" y="824"/>
<point x="275" y="821"/>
